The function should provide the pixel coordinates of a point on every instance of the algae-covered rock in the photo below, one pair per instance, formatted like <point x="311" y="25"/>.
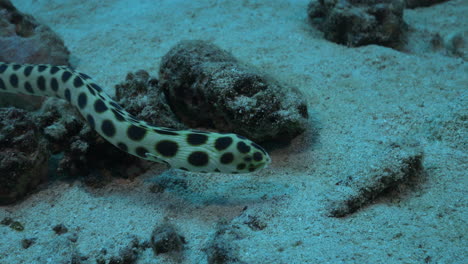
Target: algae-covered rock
<point x="208" y="87"/>
<point x="23" y="155"/>
<point x="141" y="96"/>
<point x="360" y="22"/>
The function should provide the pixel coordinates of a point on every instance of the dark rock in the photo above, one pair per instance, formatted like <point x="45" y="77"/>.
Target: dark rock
<point x="27" y="242"/>
<point x="165" y="239"/>
<point x="141" y="96"/>
<point x="207" y="87"/>
<point x="17" y="226"/>
<point x="23" y="155"/>
<point x="6" y="221"/>
<point x="60" y="229"/>
<point x="360" y="22"/>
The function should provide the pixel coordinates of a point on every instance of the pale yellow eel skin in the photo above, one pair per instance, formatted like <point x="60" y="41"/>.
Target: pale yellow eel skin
<point x="190" y="150"/>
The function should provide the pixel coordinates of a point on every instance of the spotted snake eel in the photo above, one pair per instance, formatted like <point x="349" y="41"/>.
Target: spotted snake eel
<point x="191" y="150"/>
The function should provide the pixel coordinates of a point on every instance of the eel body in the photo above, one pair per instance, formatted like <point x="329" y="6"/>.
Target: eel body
<point x="191" y="150"/>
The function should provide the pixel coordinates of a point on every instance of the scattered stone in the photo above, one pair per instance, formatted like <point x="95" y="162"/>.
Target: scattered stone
<point x="23" y="155"/>
<point x="422" y="3"/>
<point x="60" y="229"/>
<point x="27" y="242"/>
<point x="141" y="96"/>
<point x="400" y="164"/>
<point x="6" y="221"/>
<point x="207" y="87"/>
<point x="165" y="239"/>
<point x="360" y="22"/>
<point x="17" y="226"/>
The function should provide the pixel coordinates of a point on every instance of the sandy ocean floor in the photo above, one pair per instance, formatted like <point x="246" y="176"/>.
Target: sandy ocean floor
<point x="360" y="100"/>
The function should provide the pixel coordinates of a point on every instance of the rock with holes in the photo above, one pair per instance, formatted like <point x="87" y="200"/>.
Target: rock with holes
<point x="142" y="97"/>
<point x="82" y="150"/>
<point x="25" y="40"/>
<point x="23" y="155"/>
<point x="360" y="22"/>
<point x="207" y="87"/>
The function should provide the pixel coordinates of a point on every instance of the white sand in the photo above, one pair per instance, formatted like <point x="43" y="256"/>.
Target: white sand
<point x="359" y="98"/>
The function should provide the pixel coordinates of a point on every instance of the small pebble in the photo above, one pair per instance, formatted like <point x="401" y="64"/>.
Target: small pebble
<point x="27" y="242"/>
<point x="60" y="229"/>
<point x="165" y="239"/>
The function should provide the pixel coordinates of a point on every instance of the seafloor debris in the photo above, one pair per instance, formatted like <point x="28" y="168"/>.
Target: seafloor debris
<point x="141" y="96"/>
<point x="23" y="155"/>
<point x="25" y="40"/>
<point x="207" y="87"/>
<point x="165" y="239"/>
<point x="13" y="224"/>
<point x="60" y="229"/>
<point x="360" y="22"/>
<point x="27" y="242"/>
<point x="400" y="164"/>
